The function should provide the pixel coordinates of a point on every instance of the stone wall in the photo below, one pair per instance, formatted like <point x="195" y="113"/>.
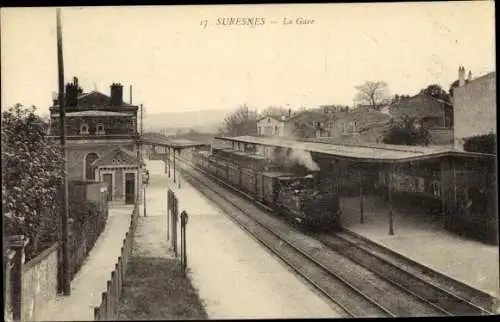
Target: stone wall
<point x="475" y="108"/>
<point x="39" y="283"/>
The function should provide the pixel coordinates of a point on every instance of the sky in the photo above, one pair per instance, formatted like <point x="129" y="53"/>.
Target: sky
<point x="175" y="63"/>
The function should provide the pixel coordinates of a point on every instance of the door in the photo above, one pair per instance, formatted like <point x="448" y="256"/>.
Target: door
<point x="107" y="178"/>
<point x="129" y="188"/>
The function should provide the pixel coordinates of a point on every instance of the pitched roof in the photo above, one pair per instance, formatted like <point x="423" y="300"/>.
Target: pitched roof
<point x="96" y="99"/>
<point x="117" y="156"/>
<point x="270" y="116"/>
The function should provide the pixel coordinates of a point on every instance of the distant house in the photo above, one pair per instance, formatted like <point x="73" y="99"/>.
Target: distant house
<point x="310" y="123"/>
<point x="272" y="126"/>
<point x="359" y="121"/>
<point x="430" y="111"/>
<point x="474" y="104"/>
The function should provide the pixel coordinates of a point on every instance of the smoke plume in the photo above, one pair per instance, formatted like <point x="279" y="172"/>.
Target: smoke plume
<point x="295" y="155"/>
<point x="304" y="158"/>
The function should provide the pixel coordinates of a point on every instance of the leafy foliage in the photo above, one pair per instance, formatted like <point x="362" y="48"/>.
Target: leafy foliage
<point x="372" y="93"/>
<point x="32" y="171"/>
<point x="436" y="91"/>
<point x="276" y="111"/>
<point x="240" y="122"/>
<point x="406" y="132"/>
<point x="481" y="143"/>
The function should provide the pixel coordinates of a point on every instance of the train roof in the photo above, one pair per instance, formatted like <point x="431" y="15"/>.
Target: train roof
<point x="275" y="174"/>
<point x="365" y="153"/>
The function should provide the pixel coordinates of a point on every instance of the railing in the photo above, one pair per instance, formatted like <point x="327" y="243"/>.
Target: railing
<point x="107" y="310"/>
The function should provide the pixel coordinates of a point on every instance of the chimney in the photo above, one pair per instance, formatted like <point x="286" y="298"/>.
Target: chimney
<point x="461" y="76"/>
<point x="71" y="95"/>
<point x="116" y="94"/>
<point x="469" y="77"/>
<point x="54" y="99"/>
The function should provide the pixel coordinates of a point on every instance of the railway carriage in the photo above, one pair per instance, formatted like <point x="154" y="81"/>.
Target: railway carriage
<point x="294" y="196"/>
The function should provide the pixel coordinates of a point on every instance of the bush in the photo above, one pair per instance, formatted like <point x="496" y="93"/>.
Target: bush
<point x="481" y="143"/>
<point x="32" y="171"/>
<point x="406" y="132"/>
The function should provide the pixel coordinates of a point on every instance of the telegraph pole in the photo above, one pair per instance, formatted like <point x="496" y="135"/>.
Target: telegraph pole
<point x="66" y="283"/>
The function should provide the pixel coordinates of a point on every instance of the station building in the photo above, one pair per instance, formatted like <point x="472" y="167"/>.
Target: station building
<point x="101" y="140"/>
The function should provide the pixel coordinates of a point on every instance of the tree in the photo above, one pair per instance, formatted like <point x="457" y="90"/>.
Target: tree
<point x="436" y="91"/>
<point x="407" y="131"/>
<point x="485" y="143"/>
<point x="372" y="93"/>
<point x="276" y="111"/>
<point x="240" y="122"/>
<point x="452" y="87"/>
<point x="32" y="172"/>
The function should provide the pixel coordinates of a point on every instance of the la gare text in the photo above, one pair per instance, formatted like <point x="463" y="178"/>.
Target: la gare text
<point x="260" y="21"/>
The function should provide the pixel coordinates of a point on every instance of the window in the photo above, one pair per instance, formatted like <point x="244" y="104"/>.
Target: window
<point x="436" y="188"/>
<point x="268" y="120"/>
<point x="89" y="169"/>
<point x="276" y="130"/>
<point x="99" y="128"/>
<point x="84" y="129"/>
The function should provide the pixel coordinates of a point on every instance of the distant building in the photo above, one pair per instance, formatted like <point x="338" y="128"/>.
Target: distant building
<point x="101" y="137"/>
<point x="272" y="126"/>
<point x="474" y="104"/>
<point x="430" y="111"/>
<point x="357" y="122"/>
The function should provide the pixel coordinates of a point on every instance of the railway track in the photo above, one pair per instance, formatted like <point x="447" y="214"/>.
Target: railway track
<point x="447" y="295"/>
<point x="356" y="289"/>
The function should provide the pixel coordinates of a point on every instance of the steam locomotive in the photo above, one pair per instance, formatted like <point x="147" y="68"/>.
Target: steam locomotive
<point x="288" y="192"/>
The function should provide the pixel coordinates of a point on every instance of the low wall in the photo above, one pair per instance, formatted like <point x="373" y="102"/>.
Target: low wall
<point x="39" y="283"/>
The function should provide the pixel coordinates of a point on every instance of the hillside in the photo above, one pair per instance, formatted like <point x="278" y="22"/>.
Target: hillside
<point x="206" y="121"/>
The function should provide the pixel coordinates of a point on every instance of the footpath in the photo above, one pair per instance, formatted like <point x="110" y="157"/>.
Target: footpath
<point x="89" y="283"/>
<point x="233" y="275"/>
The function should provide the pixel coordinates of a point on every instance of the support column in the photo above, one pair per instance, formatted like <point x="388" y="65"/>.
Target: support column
<point x="443" y="193"/>
<point x="168" y="152"/>
<point x="174" y="165"/>
<point x="389" y="188"/>
<point x="361" y="210"/>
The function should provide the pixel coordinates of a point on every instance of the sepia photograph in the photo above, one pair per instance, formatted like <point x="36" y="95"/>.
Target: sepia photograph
<point x="249" y="161"/>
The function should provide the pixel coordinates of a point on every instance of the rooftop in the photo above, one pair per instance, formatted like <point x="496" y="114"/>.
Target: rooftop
<point x="364" y="153"/>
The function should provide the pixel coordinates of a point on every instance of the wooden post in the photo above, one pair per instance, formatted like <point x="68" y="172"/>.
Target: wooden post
<point x="389" y="191"/>
<point x="109" y="302"/>
<point x="184" y="221"/>
<point x="179" y="176"/>
<point x="169" y="202"/>
<point x="104" y="306"/>
<point x="17" y="243"/>
<point x="144" y="200"/>
<point x="174" y="165"/>
<point x="97" y="314"/>
<point x="443" y="193"/>
<point x="8" y="266"/>
<point x="361" y="210"/>
<point x="66" y="279"/>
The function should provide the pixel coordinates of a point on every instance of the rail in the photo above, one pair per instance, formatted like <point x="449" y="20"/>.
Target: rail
<point x="441" y="298"/>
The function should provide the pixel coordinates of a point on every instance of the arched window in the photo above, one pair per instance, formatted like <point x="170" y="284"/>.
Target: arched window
<point x="89" y="169"/>
<point x="84" y="129"/>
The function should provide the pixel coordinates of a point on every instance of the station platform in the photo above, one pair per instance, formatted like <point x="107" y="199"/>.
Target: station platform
<point x="234" y="275"/>
<point x="90" y="281"/>
<point x="422" y="239"/>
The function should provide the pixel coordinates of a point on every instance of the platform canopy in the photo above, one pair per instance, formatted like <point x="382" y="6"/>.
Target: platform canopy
<point x="372" y="153"/>
<point x="160" y="140"/>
